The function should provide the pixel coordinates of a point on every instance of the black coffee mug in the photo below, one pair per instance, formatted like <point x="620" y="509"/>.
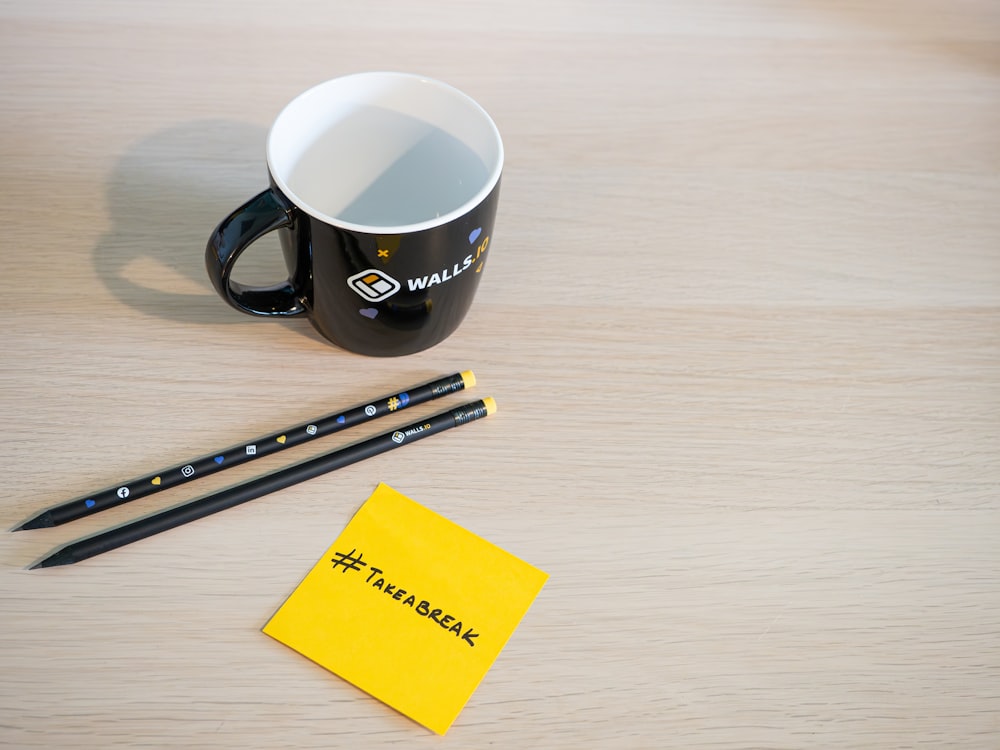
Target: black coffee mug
<point x="383" y="190"/>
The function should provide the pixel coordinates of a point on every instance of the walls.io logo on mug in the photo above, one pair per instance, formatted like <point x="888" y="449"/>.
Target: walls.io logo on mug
<point x="374" y="285"/>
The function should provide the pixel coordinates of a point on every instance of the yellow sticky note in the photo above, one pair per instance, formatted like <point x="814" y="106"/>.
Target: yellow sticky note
<point x="409" y="607"/>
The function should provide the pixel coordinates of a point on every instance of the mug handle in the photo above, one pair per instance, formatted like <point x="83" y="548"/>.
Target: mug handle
<point x="263" y="213"/>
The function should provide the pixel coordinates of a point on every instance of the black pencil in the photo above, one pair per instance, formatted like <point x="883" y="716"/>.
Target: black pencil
<point x="134" y="489"/>
<point x="192" y="511"/>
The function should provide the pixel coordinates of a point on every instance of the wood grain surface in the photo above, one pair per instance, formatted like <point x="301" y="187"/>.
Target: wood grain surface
<point x="741" y="318"/>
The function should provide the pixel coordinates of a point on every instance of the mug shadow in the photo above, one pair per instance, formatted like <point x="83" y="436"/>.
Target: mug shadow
<point x="165" y="196"/>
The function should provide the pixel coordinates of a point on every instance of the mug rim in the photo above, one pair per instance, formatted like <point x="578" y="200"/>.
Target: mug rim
<point x="481" y="195"/>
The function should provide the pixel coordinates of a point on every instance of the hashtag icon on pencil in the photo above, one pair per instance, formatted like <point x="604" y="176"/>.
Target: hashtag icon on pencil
<point x="348" y="560"/>
<point x="393" y="403"/>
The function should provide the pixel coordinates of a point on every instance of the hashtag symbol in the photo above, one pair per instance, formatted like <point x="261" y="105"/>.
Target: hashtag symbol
<point x="348" y="560"/>
<point x="393" y="403"/>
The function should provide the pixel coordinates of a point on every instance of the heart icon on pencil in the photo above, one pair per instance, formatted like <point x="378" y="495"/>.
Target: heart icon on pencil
<point x="281" y="439"/>
<point x="156" y="481"/>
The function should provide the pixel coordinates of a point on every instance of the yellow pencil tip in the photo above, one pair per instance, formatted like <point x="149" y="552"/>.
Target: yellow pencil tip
<point x="490" y="404"/>
<point x="469" y="378"/>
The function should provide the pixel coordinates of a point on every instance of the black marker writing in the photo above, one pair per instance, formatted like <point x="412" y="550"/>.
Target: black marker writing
<point x="348" y="560"/>
<point x="422" y="607"/>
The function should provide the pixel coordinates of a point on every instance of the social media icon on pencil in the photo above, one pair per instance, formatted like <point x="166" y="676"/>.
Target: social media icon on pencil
<point x="370" y="410"/>
<point x="187" y="470"/>
<point x="122" y="492"/>
<point x="373" y="285"/>
<point x="251" y="450"/>
<point x="312" y="429"/>
<point x="398" y="437"/>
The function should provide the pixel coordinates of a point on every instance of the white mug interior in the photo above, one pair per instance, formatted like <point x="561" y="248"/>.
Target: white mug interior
<point x="384" y="153"/>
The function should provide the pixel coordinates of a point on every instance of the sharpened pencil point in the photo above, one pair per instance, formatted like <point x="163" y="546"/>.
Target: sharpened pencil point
<point x="41" y="521"/>
<point x="60" y="557"/>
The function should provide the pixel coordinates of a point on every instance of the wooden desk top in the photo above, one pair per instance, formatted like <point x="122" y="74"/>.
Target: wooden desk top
<point x="742" y="320"/>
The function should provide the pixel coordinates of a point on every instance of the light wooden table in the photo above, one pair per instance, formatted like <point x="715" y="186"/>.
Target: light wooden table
<point x="742" y="319"/>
